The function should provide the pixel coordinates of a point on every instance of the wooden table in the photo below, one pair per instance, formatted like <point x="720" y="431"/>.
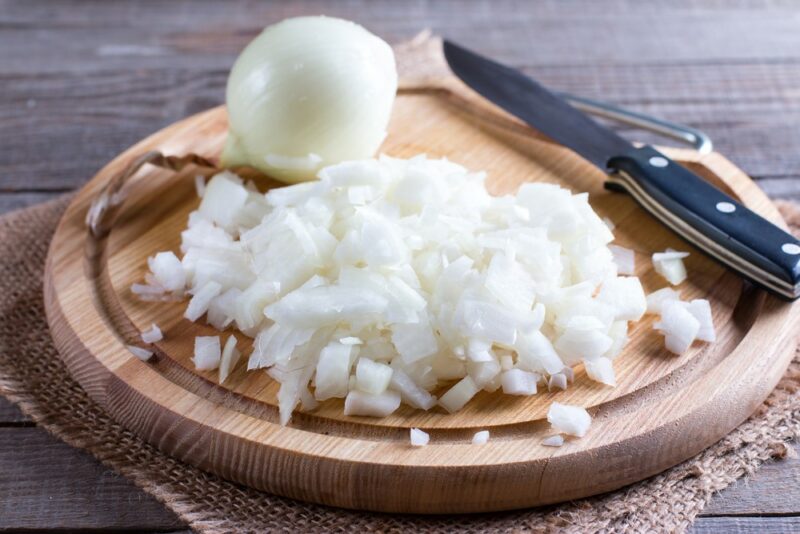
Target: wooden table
<point x="80" y="81"/>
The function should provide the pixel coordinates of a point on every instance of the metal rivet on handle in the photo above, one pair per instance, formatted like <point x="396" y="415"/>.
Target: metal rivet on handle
<point x="725" y="207"/>
<point x="658" y="161"/>
<point x="791" y="249"/>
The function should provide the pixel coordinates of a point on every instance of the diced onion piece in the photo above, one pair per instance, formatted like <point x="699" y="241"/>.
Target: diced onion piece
<point x="147" y="290"/>
<point x="360" y="403"/>
<point x="333" y="372"/>
<point x="457" y="396"/>
<point x="572" y="420"/>
<point x="536" y="353"/>
<point x="557" y="381"/>
<point x="585" y="337"/>
<point x="601" y="370"/>
<point x="168" y="271"/>
<point x="142" y="354"/>
<point x="410" y="392"/>
<point x="372" y="377"/>
<point x="553" y="441"/>
<point x="350" y="340"/>
<point x="230" y="356"/>
<point x="419" y="438"/>
<point x="679" y="326"/>
<point x="207" y="353"/>
<point x="670" y="265"/>
<point x="202" y="300"/>
<point x="657" y="299"/>
<point x="569" y="373"/>
<point x="626" y="295"/>
<point x="484" y="372"/>
<point x="701" y="310"/>
<point x="519" y="382"/>
<point x="624" y="258"/>
<point x="152" y="335"/>
<point x="224" y="197"/>
<point x="414" y="341"/>
<point x="619" y="334"/>
<point x="481" y="437"/>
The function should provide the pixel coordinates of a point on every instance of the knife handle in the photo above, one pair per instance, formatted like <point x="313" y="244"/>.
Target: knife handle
<point x="711" y="220"/>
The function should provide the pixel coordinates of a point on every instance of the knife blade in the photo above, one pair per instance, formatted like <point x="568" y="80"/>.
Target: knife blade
<point x="696" y="210"/>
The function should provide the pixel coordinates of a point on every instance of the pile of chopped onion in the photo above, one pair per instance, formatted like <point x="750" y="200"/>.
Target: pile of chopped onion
<point x="388" y="280"/>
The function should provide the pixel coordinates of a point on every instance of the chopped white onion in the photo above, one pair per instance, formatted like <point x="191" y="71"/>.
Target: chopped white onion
<point x="557" y="381"/>
<point x="601" y="370"/>
<point x="410" y="392"/>
<point x="142" y="354"/>
<point x="167" y="271"/>
<point x="679" y="326"/>
<point x="519" y="382"/>
<point x="624" y="258"/>
<point x="458" y="395"/>
<point x="553" y="441"/>
<point x="419" y="438"/>
<point x="207" y="353"/>
<point x="333" y="371"/>
<point x="657" y="299"/>
<point x="572" y="420"/>
<point x="481" y="437"/>
<point x="670" y="265"/>
<point x="389" y="278"/>
<point x="626" y="295"/>
<point x="230" y="356"/>
<point x="372" y="377"/>
<point x="360" y="403"/>
<point x="152" y="335"/>
<point x="201" y="300"/>
<point x="701" y="310"/>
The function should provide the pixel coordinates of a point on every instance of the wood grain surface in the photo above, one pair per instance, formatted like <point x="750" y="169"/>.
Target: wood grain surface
<point x="125" y="70"/>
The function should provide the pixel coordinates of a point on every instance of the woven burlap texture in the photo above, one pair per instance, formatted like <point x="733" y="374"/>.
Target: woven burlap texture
<point x="32" y="376"/>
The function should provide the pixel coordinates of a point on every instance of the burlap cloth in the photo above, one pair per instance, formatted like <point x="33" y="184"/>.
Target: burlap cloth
<point x="32" y="376"/>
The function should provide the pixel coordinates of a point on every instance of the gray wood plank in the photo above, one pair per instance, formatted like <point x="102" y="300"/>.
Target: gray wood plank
<point x="554" y="32"/>
<point x="10" y="414"/>
<point x="745" y="525"/>
<point x="18" y="200"/>
<point x="57" y="144"/>
<point x="45" y="483"/>
<point x="773" y="489"/>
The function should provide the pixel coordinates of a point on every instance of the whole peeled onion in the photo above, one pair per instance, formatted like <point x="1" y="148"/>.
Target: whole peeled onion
<point x="306" y="93"/>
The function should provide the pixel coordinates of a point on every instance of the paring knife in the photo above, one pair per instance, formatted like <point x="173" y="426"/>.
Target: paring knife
<point x="696" y="210"/>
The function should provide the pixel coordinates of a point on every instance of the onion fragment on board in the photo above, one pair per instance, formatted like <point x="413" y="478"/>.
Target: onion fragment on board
<point x="142" y="354"/>
<point x="153" y="334"/>
<point x="572" y="420"/>
<point x="670" y="265"/>
<point x="419" y="438"/>
<point x="481" y="437"/>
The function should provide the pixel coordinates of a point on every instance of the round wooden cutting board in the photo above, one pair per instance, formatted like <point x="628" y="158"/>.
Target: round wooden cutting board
<point x="664" y="409"/>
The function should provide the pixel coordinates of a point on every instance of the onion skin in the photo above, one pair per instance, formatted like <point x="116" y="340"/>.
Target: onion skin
<point x="309" y="92"/>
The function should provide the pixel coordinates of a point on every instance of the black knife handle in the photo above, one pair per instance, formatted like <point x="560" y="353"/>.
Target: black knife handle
<point x="710" y="219"/>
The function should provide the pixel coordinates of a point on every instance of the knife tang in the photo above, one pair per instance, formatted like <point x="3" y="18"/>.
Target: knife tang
<point x="710" y="219"/>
